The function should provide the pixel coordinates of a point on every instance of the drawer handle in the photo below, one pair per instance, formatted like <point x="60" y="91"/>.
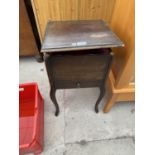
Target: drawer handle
<point x="78" y="84"/>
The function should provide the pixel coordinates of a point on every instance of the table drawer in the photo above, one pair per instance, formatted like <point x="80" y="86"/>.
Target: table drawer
<point x="76" y="84"/>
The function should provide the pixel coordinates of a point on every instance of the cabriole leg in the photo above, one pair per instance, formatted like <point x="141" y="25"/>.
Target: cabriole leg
<point x="53" y="98"/>
<point x="102" y="92"/>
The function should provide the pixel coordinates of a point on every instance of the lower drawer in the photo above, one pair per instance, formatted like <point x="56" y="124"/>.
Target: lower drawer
<point x="76" y="84"/>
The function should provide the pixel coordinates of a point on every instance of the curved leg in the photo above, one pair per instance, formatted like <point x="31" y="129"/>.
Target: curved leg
<point x="53" y="98"/>
<point x="102" y="92"/>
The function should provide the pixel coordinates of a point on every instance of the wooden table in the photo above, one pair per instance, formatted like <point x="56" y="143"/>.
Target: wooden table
<point x="77" y="54"/>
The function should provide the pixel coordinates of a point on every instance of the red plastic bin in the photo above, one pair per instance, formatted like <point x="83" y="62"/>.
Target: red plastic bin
<point x="31" y="119"/>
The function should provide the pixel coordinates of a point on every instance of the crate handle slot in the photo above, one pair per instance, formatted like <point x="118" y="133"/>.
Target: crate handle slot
<point x="21" y="89"/>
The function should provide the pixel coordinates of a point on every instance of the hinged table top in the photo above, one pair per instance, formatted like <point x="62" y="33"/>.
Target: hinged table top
<point x="78" y="35"/>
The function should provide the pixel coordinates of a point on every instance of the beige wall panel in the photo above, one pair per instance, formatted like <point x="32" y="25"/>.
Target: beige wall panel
<point x="96" y="9"/>
<point x="72" y="10"/>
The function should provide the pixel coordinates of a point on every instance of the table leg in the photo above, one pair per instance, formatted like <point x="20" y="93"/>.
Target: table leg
<point x="53" y="98"/>
<point x="102" y="92"/>
<point x="39" y="58"/>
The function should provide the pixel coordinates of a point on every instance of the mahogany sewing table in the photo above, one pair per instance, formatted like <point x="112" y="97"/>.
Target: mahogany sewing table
<point x="78" y="54"/>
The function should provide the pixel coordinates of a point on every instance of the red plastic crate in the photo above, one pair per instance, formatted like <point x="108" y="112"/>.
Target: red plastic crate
<point x="31" y="119"/>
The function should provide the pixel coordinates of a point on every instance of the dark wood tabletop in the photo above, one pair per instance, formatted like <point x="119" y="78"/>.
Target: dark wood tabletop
<point x="78" y="35"/>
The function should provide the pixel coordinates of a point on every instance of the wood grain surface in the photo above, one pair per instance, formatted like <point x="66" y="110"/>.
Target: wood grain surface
<point x="122" y="24"/>
<point x="72" y="10"/>
<point x="27" y="44"/>
<point x="81" y="34"/>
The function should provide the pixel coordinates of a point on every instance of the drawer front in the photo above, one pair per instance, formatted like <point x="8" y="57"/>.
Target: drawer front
<point x="76" y="84"/>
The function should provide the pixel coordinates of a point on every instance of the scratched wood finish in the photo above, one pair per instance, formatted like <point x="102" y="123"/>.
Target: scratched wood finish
<point x="81" y="34"/>
<point x="72" y="10"/>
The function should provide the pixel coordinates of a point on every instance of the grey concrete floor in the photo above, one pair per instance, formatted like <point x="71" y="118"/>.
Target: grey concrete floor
<point x="78" y="130"/>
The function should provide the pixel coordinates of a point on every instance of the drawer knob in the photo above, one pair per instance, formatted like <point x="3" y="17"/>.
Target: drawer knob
<point x="78" y="84"/>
